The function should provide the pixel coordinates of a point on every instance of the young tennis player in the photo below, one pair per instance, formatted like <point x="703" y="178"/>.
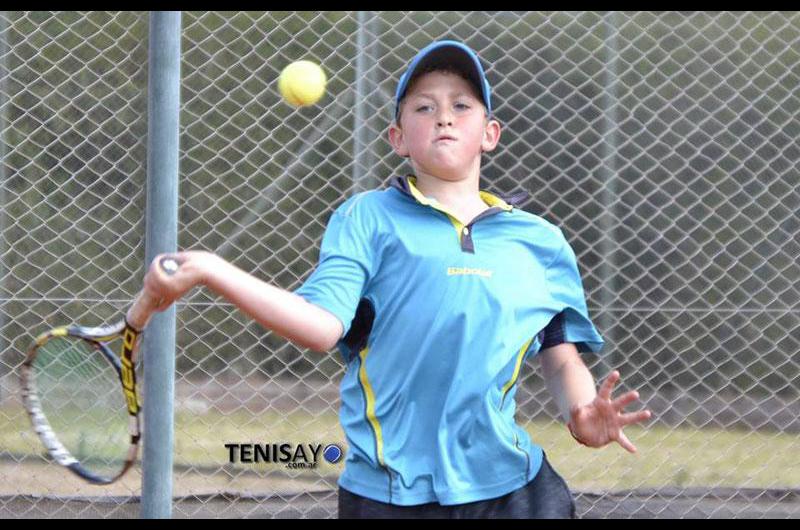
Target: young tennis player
<point x="435" y="293"/>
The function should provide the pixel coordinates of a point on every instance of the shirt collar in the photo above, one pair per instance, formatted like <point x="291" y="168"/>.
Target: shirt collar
<point x="407" y="185"/>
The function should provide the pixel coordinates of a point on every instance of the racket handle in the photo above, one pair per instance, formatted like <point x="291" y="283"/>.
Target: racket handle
<point x="145" y="305"/>
<point x="169" y="266"/>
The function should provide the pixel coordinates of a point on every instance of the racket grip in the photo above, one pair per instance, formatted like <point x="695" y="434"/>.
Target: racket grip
<point x="145" y="305"/>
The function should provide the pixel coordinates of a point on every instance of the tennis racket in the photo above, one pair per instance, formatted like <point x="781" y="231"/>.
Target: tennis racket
<point x="82" y="398"/>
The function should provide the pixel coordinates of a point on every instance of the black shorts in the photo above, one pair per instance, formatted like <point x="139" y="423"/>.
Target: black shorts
<point x="545" y="497"/>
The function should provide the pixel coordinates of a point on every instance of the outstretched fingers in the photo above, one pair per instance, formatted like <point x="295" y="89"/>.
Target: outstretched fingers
<point x="625" y="442"/>
<point x="625" y="400"/>
<point x="634" y="417"/>
<point x="608" y="385"/>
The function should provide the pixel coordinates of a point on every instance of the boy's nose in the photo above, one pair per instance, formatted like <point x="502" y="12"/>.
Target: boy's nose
<point x="444" y="117"/>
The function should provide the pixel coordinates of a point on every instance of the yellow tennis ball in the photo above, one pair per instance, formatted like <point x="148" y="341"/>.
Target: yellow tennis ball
<point x="302" y="83"/>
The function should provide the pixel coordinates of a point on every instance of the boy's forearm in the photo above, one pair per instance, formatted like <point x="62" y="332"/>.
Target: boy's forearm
<point x="281" y="311"/>
<point x="569" y="380"/>
<point x="577" y="386"/>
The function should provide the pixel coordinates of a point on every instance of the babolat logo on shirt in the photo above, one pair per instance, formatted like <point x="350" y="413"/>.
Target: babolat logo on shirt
<point x="295" y="456"/>
<point x="465" y="271"/>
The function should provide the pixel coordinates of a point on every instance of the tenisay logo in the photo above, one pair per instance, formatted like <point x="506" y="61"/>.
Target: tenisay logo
<point x="295" y="456"/>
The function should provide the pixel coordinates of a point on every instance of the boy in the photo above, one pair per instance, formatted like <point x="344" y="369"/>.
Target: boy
<point x="435" y="293"/>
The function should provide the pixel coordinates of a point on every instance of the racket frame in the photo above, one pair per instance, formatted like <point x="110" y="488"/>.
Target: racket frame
<point x="129" y="330"/>
<point x="124" y="364"/>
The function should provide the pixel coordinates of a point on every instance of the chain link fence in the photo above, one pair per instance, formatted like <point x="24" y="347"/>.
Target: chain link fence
<point x="664" y="144"/>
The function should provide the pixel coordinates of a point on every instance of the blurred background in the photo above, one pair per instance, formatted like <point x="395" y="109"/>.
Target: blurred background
<point x="663" y="144"/>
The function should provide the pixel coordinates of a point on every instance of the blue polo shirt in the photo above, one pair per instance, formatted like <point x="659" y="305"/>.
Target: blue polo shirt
<point x="438" y="319"/>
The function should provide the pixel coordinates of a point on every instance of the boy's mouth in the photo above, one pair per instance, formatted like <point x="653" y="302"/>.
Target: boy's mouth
<point x="445" y="137"/>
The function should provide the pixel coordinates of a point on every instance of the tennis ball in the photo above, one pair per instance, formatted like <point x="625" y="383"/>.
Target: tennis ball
<point x="302" y="83"/>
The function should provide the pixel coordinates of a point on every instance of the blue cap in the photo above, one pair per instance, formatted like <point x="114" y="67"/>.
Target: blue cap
<point x="451" y="53"/>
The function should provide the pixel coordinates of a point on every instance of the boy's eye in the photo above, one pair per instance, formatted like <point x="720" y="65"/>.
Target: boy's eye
<point x="461" y="106"/>
<point x="423" y="108"/>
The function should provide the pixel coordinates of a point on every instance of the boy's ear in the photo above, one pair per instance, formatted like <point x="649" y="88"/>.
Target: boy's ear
<point x="491" y="136"/>
<point x="397" y="140"/>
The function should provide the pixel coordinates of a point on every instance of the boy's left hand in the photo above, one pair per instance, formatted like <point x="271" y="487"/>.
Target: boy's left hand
<point x="601" y="421"/>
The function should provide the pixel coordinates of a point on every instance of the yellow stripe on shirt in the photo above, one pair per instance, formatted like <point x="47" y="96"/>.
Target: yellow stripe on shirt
<point x="370" y="395"/>
<point x="517" y="367"/>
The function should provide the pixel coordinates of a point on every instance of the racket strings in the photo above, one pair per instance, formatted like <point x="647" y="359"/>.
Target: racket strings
<point x="81" y="396"/>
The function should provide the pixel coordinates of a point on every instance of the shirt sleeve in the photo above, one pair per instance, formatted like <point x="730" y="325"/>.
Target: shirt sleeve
<point x="553" y="333"/>
<point x="345" y="266"/>
<point x="572" y="322"/>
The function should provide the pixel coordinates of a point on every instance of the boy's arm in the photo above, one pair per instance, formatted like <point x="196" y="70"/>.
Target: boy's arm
<point x="281" y="311"/>
<point x="593" y="418"/>
<point x="568" y="379"/>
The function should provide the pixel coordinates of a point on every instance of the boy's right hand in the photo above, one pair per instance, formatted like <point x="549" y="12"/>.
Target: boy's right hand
<point x="194" y="267"/>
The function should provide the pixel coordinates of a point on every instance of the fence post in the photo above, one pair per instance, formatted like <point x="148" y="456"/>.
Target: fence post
<point x="158" y="348"/>
<point x="4" y="368"/>
<point x="608" y="271"/>
<point x="365" y="64"/>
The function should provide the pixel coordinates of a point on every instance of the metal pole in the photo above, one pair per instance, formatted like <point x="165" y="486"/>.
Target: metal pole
<point x="3" y="205"/>
<point x="366" y="62"/>
<point x="610" y="194"/>
<point x="359" y="123"/>
<point x="158" y="348"/>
